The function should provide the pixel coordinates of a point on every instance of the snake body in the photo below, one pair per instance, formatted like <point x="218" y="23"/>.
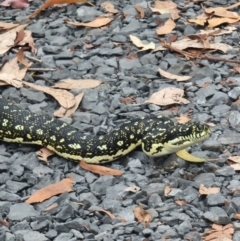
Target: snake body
<point x="157" y="135"/>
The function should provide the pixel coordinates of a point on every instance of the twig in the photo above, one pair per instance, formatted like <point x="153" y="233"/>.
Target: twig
<point x="29" y="57"/>
<point x="41" y="69"/>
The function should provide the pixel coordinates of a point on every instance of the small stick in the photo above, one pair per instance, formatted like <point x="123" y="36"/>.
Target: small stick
<point x="29" y="57"/>
<point x="41" y="69"/>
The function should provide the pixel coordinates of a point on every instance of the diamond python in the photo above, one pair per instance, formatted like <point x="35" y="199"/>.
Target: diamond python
<point x="157" y="135"/>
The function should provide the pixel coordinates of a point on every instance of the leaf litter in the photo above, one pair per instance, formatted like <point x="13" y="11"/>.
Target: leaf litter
<point x="142" y="216"/>
<point x="137" y="42"/>
<point x="173" y="76"/>
<point x="97" y="23"/>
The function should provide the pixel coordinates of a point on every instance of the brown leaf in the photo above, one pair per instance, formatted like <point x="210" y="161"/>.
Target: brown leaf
<point x="50" y="3"/>
<point x="167" y="96"/>
<point x="19" y="37"/>
<point x="168" y="26"/>
<point x="7" y="39"/>
<point x="127" y="100"/>
<point x="142" y="215"/>
<point x="43" y="154"/>
<point x="221" y="12"/>
<point x="101" y="170"/>
<point x="104" y="211"/>
<point x="167" y="190"/>
<point x="77" y="84"/>
<point x="173" y="76"/>
<point x="180" y="202"/>
<point x="213" y="22"/>
<point x="64" y="98"/>
<point x="97" y="23"/>
<point x="4" y="222"/>
<point x="140" y="9"/>
<point x="184" y="118"/>
<point x="136" y="41"/>
<point x="132" y="189"/>
<point x="236" y="166"/>
<point x="28" y="40"/>
<point x="206" y="191"/>
<point x="21" y="58"/>
<point x="62" y="112"/>
<point x="109" y="7"/>
<point x="51" y="190"/>
<point x="7" y="26"/>
<point x="235" y="159"/>
<point x="198" y="21"/>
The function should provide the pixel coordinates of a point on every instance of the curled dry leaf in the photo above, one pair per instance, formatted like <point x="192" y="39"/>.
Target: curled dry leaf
<point x="235" y="159"/>
<point x="218" y="31"/>
<point x="140" y="9"/>
<point x="7" y="26"/>
<point x="221" y="12"/>
<point x="64" y="98"/>
<point x="21" y="58"/>
<point x="28" y="40"/>
<point x="167" y="96"/>
<point x="173" y="76"/>
<point x="7" y="39"/>
<point x="43" y="154"/>
<point x="132" y="189"/>
<point x="97" y="23"/>
<point x="104" y="211"/>
<point x="167" y="190"/>
<point x="183" y="118"/>
<point x="168" y="26"/>
<point x="51" y="190"/>
<point x="62" y="112"/>
<point x="127" y="100"/>
<point x="136" y="41"/>
<point x="142" y="216"/>
<point x="50" y="3"/>
<point x="77" y="84"/>
<point x="180" y="202"/>
<point x="109" y="7"/>
<point x="214" y="22"/>
<point x="206" y="191"/>
<point x="236" y="166"/>
<point x="11" y="74"/>
<point x="101" y="170"/>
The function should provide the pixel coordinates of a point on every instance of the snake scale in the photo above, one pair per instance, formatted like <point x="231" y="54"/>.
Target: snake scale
<point x="157" y="135"/>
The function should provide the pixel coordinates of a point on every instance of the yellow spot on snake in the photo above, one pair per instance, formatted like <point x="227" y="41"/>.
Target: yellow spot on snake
<point x="8" y="132"/>
<point x="53" y="138"/>
<point x="131" y="136"/>
<point x="29" y="136"/>
<point x="39" y="132"/>
<point x="5" y="121"/>
<point x="62" y="140"/>
<point x="103" y="147"/>
<point x="5" y="107"/>
<point x="74" y="146"/>
<point x="120" y="143"/>
<point x="19" y="127"/>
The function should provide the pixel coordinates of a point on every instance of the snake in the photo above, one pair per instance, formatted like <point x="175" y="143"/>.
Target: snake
<point x="157" y="135"/>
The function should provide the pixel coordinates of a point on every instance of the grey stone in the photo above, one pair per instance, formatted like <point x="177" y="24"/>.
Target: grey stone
<point x="188" y="195"/>
<point x="127" y="91"/>
<point x="6" y="196"/>
<point x="29" y="235"/>
<point x="64" y="237"/>
<point x="234" y="93"/>
<point x="105" y="70"/>
<point x="215" y="199"/>
<point x="100" y="108"/>
<point x="15" y="187"/>
<point x="234" y="120"/>
<point x="129" y="64"/>
<point x="42" y="170"/>
<point x="220" y="110"/>
<point x="90" y="178"/>
<point x="154" y="200"/>
<point x="58" y="40"/>
<point x="219" y="98"/>
<point x="31" y="95"/>
<point x="90" y="99"/>
<point x="234" y="184"/>
<point x="111" y="62"/>
<point x="225" y="171"/>
<point x="184" y="227"/>
<point x="236" y="202"/>
<point x="236" y="236"/>
<point x="133" y="26"/>
<point x="211" y="145"/>
<point x="87" y="14"/>
<point x="88" y="197"/>
<point x="52" y="233"/>
<point x="217" y="215"/>
<point x="99" y="187"/>
<point x="20" y="211"/>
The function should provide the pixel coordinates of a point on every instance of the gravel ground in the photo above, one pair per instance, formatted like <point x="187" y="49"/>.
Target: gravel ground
<point x="125" y="73"/>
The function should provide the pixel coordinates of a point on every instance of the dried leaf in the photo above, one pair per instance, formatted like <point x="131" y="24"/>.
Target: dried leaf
<point x="136" y="41"/>
<point x="221" y="12"/>
<point x="43" y="154"/>
<point x="218" y="31"/>
<point x="19" y="37"/>
<point x="132" y="189"/>
<point x="50" y="3"/>
<point x="167" y="190"/>
<point x="167" y="96"/>
<point x="198" y="21"/>
<point x="206" y="191"/>
<point x="237" y="216"/>
<point x="97" y="23"/>
<point x="7" y="26"/>
<point x="101" y="170"/>
<point x="4" y="222"/>
<point x="28" y="40"/>
<point x="189" y="43"/>
<point x="62" y="112"/>
<point x="140" y="9"/>
<point x="213" y="22"/>
<point x="183" y="118"/>
<point x="64" y="98"/>
<point x="15" y="3"/>
<point x="109" y="7"/>
<point x="127" y="100"/>
<point x="21" y="58"/>
<point x="77" y="84"/>
<point x="180" y="202"/>
<point x="7" y="39"/>
<point x="168" y="26"/>
<point x="51" y="190"/>
<point x="142" y="216"/>
<point x="236" y="166"/>
<point x="173" y="76"/>
<point x="235" y="159"/>
<point x="104" y="211"/>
